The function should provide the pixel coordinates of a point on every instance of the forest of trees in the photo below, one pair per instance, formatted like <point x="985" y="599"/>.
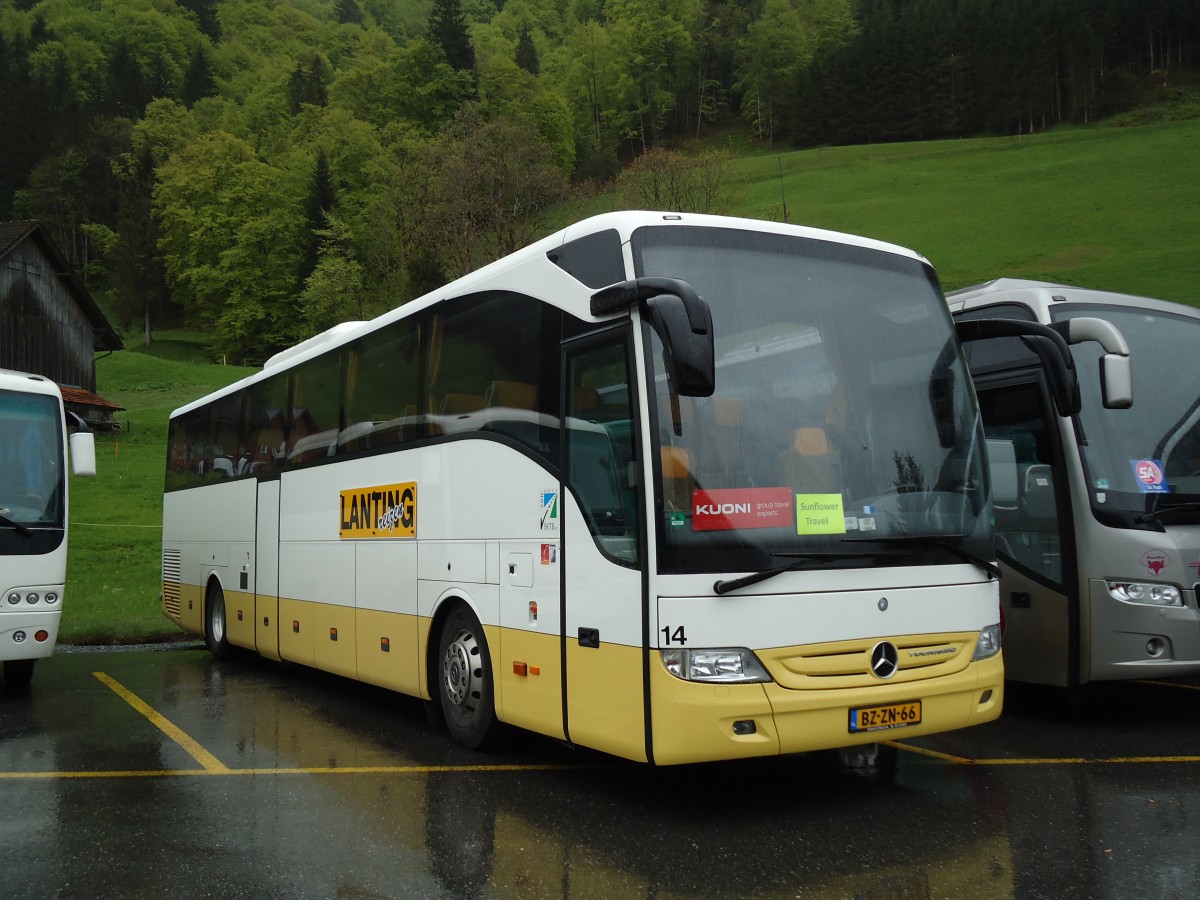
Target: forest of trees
<point x="262" y="169"/>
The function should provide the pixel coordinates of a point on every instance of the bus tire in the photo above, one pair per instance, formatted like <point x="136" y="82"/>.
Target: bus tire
<point x="215" y="634"/>
<point x="464" y="678"/>
<point x="18" y="672"/>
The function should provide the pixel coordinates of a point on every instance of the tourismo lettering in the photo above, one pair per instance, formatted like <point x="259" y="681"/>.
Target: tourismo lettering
<point x="388" y="510"/>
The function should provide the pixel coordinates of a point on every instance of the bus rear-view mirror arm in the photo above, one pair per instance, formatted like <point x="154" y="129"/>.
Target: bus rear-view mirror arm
<point x="1116" y="376"/>
<point x="1049" y="345"/>
<point x="683" y="321"/>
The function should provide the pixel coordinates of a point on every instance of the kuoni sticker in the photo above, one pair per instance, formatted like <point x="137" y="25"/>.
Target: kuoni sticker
<point x="820" y="514"/>
<point x="1149" y="476"/>
<point x="727" y="509"/>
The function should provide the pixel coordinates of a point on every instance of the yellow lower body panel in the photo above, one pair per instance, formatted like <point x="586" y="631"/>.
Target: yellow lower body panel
<point x="387" y="650"/>
<point x="529" y="680"/>
<point x="239" y="619"/>
<point x="695" y="722"/>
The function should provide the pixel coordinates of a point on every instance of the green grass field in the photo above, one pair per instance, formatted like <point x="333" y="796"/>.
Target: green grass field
<point x="1104" y="207"/>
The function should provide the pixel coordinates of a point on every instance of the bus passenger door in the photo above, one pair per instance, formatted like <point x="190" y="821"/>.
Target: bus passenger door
<point x="1035" y="541"/>
<point x="602" y="549"/>
<point x="266" y="570"/>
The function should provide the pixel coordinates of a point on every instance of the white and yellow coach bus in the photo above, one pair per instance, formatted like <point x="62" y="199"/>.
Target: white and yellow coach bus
<point x="674" y="487"/>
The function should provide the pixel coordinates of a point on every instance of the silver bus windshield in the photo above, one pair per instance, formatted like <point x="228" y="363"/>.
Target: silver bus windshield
<point x="843" y="427"/>
<point x="1146" y="458"/>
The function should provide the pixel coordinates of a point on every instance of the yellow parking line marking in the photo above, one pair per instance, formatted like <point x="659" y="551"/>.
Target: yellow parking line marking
<point x="210" y="763"/>
<point x="316" y="770"/>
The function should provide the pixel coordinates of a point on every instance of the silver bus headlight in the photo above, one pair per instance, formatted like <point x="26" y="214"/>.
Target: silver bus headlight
<point x="722" y="665"/>
<point x="1147" y="593"/>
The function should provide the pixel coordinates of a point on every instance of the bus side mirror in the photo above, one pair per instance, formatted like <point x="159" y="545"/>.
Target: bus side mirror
<point x="690" y="355"/>
<point x="1116" y="381"/>
<point x="83" y="454"/>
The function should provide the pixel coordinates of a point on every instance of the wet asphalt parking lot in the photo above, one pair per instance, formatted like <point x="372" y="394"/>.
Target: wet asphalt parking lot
<point x="162" y="773"/>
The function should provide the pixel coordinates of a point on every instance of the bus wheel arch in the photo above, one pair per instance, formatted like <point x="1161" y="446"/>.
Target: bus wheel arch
<point x="216" y="632"/>
<point x="461" y="678"/>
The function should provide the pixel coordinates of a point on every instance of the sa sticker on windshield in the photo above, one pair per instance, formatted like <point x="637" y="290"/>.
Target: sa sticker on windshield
<point x="724" y="510"/>
<point x="1149" y="476"/>
<point x="820" y="514"/>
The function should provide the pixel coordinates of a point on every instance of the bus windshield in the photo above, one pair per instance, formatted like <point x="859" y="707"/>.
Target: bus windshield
<point x="1146" y="458"/>
<point x="843" y="426"/>
<point x="30" y="461"/>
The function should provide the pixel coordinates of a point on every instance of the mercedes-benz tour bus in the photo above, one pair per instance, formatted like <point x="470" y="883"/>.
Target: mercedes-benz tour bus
<point x="675" y="487"/>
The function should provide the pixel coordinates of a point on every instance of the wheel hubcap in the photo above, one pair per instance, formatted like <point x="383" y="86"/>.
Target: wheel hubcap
<point x="461" y="673"/>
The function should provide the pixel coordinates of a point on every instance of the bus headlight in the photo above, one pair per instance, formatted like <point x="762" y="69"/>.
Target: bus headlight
<point x="988" y="643"/>
<point x="1141" y="592"/>
<point x="723" y="665"/>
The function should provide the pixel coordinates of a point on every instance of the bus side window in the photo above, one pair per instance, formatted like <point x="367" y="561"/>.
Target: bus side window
<point x="1027" y="525"/>
<point x="601" y="464"/>
<point x="383" y="389"/>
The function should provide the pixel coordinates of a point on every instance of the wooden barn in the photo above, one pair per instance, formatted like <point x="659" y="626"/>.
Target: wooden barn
<point x="49" y="323"/>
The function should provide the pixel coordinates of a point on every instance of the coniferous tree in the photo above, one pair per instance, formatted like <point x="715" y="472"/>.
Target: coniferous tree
<point x="527" y="55"/>
<point x="198" y="81"/>
<point x="448" y="30"/>
<point x="322" y="194"/>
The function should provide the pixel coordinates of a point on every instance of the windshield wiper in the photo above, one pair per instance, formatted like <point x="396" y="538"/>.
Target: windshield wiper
<point x="20" y="529"/>
<point x="724" y="586"/>
<point x="987" y="565"/>
<point x="1154" y="515"/>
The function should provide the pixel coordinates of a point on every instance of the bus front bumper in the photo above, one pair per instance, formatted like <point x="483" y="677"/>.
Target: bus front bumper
<point x="28" y="634"/>
<point x="703" y="722"/>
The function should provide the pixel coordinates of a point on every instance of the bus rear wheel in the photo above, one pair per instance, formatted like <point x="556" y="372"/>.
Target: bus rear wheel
<point x="214" y="626"/>
<point x="465" y="685"/>
<point x="18" y="672"/>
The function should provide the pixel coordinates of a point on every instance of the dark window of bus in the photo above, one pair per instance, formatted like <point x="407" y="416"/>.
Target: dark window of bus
<point x="493" y="368"/>
<point x="986" y="355"/>
<point x="594" y="260"/>
<point x="224" y="450"/>
<point x="314" y="420"/>
<point x="264" y="428"/>
<point x="383" y="389"/>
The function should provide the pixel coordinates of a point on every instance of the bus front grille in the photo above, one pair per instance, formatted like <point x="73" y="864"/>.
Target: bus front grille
<point x="171" y="568"/>
<point x="847" y="664"/>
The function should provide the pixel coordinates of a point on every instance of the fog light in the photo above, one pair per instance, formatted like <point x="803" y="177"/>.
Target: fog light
<point x="1155" y="647"/>
<point x="744" y="727"/>
<point x="19" y="637"/>
<point x="32" y="598"/>
<point x="52" y="597"/>
<point x="14" y="598"/>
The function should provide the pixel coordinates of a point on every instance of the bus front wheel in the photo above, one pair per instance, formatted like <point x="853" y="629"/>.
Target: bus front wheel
<point x="465" y="680"/>
<point x="214" y="627"/>
<point x="18" y="672"/>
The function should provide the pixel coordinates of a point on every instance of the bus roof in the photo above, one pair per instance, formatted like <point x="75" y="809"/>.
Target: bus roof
<point x="28" y="383"/>
<point x="492" y="276"/>
<point x="1042" y="296"/>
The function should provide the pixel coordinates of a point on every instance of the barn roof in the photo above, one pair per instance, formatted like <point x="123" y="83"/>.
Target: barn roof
<point x="12" y="234"/>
